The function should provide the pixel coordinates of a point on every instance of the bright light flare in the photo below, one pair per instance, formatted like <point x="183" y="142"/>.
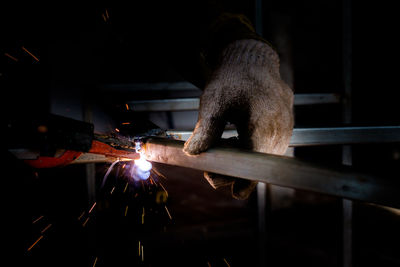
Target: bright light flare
<point x="141" y="168"/>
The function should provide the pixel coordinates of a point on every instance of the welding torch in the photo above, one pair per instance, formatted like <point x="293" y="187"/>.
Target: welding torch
<point x="54" y="141"/>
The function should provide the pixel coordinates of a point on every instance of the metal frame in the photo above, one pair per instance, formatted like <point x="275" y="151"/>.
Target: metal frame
<point x="326" y="136"/>
<point x="185" y="104"/>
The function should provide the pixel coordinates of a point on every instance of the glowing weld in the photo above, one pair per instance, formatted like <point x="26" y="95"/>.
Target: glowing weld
<point x="141" y="169"/>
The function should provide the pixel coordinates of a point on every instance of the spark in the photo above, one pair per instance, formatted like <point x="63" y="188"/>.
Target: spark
<point x="142" y="254"/>
<point x="80" y="216"/>
<point x="95" y="261"/>
<point x="32" y="55"/>
<point x="126" y="123"/>
<point x="126" y="210"/>
<point x="169" y="214"/>
<point x="143" y="216"/>
<point x="159" y="174"/>
<point x="139" y="248"/>
<point x="108" y="17"/>
<point x="92" y="207"/>
<point x="117" y="130"/>
<point x="209" y="265"/>
<point x="144" y="189"/>
<point x="112" y="190"/>
<point x="87" y="219"/>
<point x="11" y="57"/>
<point x="46" y="228"/>
<point x="127" y="107"/>
<point x="38" y="219"/>
<point x="226" y="262"/>
<point x="35" y="243"/>
<point x="108" y="172"/>
<point x="104" y="17"/>
<point x="163" y="188"/>
<point x="126" y="187"/>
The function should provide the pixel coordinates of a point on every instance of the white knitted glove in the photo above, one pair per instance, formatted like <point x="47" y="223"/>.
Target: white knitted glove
<point x="245" y="89"/>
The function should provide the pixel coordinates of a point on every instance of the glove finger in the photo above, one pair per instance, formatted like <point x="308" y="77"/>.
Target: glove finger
<point x="241" y="188"/>
<point x="209" y="127"/>
<point x="218" y="180"/>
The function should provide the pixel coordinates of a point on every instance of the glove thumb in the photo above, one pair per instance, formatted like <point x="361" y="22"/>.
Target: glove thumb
<point x="208" y="130"/>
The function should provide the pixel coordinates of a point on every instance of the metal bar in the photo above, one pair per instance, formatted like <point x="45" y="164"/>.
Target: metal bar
<point x="347" y="155"/>
<point x="162" y="86"/>
<point x="184" y="104"/>
<point x="262" y="192"/>
<point x="279" y="170"/>
<point x="315" y="99"/>
<point x="326" y="136"/>
<point x="345" y="135"/>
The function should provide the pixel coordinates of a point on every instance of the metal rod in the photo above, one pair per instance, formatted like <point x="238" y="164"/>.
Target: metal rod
<point x="162" y="86"/>
<point x="326" y="136"/>
<point x="262" y="197"/>
<point x="347" y="155"/>
<point x="185" y="104"/>
<point x="279" y="170"/>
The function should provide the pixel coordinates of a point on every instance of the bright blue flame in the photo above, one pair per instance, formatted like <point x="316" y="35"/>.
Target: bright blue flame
<point x="141" y="169"/>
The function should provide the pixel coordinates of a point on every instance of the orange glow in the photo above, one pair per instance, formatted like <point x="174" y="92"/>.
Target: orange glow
<point x="226" y="262"/>
<point x="47" y="227"/>
<point x="126" y="210"/>
<point x="10" y="56"/>
<point x="80" y="216"/>
<point x="92" y="207"/>
<point x="169" y="214"/>
<point x="26" y="50"/>
<point x="126" y="187"/>
<point x="84" y="224"/>
<point x="38" y="219"/>
<point x="35" y="243"/>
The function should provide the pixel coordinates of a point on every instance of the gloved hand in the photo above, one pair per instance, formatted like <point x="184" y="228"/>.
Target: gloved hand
<point x="246" y="90"/>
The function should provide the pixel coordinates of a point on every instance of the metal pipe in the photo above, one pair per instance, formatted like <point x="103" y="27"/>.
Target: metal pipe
<point x="279" y="170"/>
<point x="326" y="136"/>
<point x="185" y="104"/>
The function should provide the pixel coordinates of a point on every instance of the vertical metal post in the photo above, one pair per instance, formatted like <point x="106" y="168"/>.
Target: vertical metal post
<point x="262" y="228"/>
<point x="347" y="211"/>
<point x="262" y="191"/>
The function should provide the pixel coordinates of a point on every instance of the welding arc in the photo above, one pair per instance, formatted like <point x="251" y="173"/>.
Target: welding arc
<point x="108" y="172"/>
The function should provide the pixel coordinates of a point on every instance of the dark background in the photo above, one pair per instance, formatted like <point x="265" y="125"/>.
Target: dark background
<point x="80" y="54"/>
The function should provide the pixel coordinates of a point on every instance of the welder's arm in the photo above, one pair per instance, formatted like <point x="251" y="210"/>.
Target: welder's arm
<point x="244" y="88"/>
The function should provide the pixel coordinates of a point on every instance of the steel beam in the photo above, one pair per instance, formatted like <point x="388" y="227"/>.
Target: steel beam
<point x="162" y="86"/>
<point x="326" y="136"/>
<point x="279" y="170"/>
<point x="184" y="104"/>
